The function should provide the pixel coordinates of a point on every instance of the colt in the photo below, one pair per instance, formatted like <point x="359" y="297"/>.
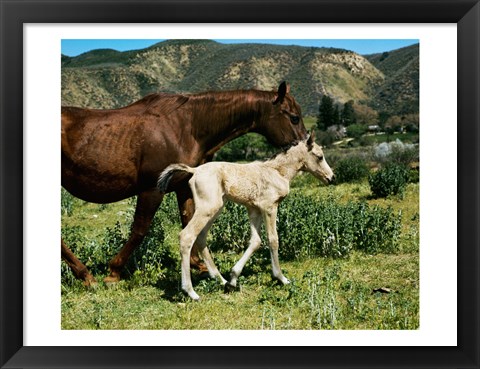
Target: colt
<point x="259" y="186"/>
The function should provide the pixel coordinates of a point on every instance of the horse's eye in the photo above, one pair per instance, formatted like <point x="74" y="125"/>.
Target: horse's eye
<point x="320" y="158"/>
<point x="295" y="119"/>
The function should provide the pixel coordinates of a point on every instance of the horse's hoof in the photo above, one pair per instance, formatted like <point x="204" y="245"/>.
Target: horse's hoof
<point x="111" y="280"/>
<point x="204" y="275"/>
<point x="90" y="282"/>
<point x="199" y="266"/>
<point x="228" y="288"/>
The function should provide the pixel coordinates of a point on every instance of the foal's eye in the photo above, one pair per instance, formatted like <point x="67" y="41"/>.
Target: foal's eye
<point x="320" y="158"/>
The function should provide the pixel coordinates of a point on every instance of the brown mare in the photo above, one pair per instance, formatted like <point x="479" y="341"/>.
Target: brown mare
<point x="110" y="155"/>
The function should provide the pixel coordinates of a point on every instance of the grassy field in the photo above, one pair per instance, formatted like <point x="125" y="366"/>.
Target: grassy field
<point x="362" y="290"/>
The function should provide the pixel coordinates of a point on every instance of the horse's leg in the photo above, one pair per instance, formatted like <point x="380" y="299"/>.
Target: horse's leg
<point x="187" y="208"/>
<point x="147" y="204"/>
<point x="271" y="227"/>
<point x="188" y="236"/>
<point x="255" y="241"/>
<point x="79" y="270"/>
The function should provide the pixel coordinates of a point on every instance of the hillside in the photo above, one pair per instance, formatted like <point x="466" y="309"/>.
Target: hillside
<point x="400" y="91"/>
<point x="107" y="78"/>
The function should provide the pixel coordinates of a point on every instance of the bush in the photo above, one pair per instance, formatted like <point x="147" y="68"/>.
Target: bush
<point x="250" y="147"/>
<point x="356" y="130"/>
<point x="414" y="176"/>
<point x="68" y="202"/>
<point x="389" y="180"/>
<point x="351" y="169"/>
<point x="396" y="152"/>
<point x="310" y="227"/>
<point x="325" y="138"/>
<point x="231" y="230"/>
<point x="147" y="264"/>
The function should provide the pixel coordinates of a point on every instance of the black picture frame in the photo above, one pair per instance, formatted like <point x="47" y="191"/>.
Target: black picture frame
<point x="465" y="13"/>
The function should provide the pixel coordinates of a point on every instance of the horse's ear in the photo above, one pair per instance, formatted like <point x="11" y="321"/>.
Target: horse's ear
<point x="283" y="89"/>
<point x="311" y="139"/>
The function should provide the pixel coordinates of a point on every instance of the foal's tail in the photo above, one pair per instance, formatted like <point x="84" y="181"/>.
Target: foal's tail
<point x="168" y="173"/>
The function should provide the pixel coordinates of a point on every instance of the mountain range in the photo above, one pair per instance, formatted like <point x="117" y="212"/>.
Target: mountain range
<point x="106" y="78"/>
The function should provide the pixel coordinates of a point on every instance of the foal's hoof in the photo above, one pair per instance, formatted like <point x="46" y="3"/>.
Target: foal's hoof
<point x="228" y="288"/>
<point x="192" y="295"/>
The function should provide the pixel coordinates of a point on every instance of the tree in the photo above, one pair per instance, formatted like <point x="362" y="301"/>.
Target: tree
<point x="326" y="113"/>
<point x="383" y="117"/>
<point x="394" y="123"/>
<point x="348" y="114"/>
<point x="336" y="116"/>
<point x="365" y="115"/>
<point x="356" y="130"/>
<point x="411" y="122"/>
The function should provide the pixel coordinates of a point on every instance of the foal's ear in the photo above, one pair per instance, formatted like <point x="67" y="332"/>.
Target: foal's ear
<point x="311" y="139"/>
<point x="283" y="89"/>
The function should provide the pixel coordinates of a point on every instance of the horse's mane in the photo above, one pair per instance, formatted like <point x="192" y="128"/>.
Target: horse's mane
<point x="231" y="106"/>
<point x="238" y="101"/>
<point x="160" y="102"/>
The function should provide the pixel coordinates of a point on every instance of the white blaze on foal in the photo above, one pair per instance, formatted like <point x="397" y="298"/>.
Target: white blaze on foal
<point x="260" y="186"/>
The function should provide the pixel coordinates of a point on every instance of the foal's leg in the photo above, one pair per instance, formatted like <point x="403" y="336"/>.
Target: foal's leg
<point x="202" y="247"/>
<point x="79" y="270"/>
<point x="187" y="208"/>
<point x="255" y="241"/>
<point x="270" y="224"/>
<point x="187" y="238"/>
<point x="147" y="205"/>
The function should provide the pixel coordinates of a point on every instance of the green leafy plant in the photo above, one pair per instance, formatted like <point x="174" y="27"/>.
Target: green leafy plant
<point x="310" y="227"/>
<point x="389" y="180"/>
<point x="351" y="169"/>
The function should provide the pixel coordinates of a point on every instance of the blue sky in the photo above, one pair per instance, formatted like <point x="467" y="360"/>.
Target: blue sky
<point x="77" y="47"/>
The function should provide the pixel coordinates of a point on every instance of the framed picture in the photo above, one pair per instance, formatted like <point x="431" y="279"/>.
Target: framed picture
<point x="16" y="273"/>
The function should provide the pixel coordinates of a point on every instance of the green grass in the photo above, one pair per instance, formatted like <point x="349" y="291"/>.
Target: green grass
<point x="309" y="122"/>
<point x="325" y="293"/>
<point x="407" y="137"/>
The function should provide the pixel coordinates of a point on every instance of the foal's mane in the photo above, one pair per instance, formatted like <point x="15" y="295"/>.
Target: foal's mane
<point x="284" y="149"/>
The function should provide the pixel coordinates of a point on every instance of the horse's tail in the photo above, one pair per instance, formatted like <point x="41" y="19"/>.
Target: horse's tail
<point x="168" y="173"/>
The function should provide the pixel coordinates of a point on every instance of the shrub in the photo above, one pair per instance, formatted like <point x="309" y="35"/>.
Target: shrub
<point x="389" y="180"/>
<point x="231" y="230"/>
<point x="67" y="202"/>
<point x="325" y="138"/>
<point x="396" y="152"/>
<point x="148" y="262"/>
<point x="414" y="176"/>
<point x="310" y="227"/>
<point x="356" y="130"/>
<point x="247" y="147"/>
<point x="351" y="169"/>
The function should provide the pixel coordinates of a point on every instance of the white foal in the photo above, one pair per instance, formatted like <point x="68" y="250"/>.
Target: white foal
<point x="260" y="186"/>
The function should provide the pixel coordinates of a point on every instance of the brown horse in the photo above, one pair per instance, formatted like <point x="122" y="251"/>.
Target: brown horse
<point x="110" y="155"/>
